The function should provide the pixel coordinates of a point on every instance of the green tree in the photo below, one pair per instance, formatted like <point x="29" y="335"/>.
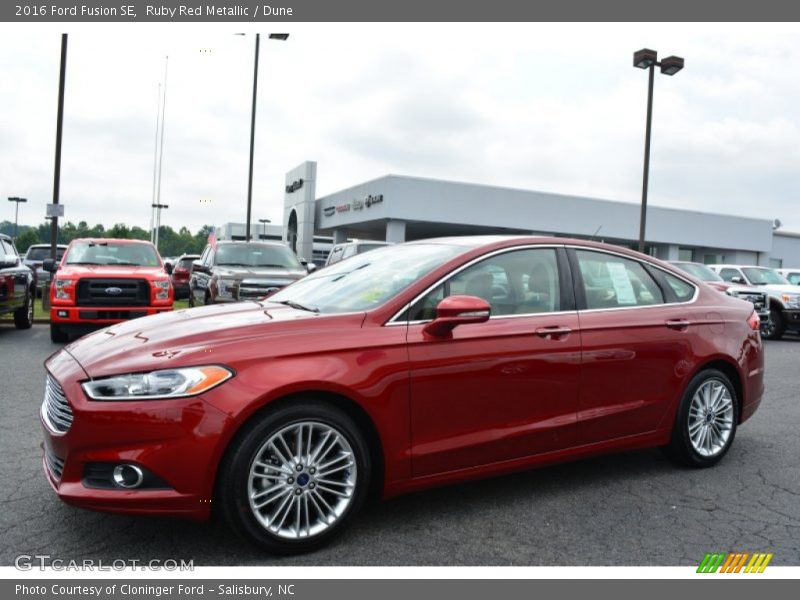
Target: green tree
<point x="24" y="240"/>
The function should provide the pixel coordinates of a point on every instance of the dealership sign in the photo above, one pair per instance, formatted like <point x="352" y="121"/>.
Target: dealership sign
<point x="357" y="204"/>
<point x="294" y="186"/>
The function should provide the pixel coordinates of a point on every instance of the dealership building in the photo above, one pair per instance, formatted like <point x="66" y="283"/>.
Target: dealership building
<point x="400" y="208"/>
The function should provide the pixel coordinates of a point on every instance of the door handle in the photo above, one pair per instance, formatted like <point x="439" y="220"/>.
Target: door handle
<point x="553" y="332"/>
<point x="679" y="324"/>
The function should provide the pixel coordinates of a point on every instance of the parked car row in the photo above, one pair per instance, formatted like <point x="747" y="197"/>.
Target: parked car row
<point x="407" y="367"/>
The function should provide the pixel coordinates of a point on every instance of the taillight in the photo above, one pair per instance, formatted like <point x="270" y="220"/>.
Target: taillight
<point x="754" y="321"/>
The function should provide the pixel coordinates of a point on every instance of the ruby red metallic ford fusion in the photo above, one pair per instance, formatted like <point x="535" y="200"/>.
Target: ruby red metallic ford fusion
<point x="403" y="368"/>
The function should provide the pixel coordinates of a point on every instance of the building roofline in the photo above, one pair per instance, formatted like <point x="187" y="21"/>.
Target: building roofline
<point x="554" y="194"/>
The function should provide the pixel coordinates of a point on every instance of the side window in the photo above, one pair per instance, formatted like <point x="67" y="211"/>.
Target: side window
<point x="794" y="278"/>
<point x="209" y="262"/>
<point x="517" y="282"/>
<point x="683" y="291"/>
<point x="729" y="274"/>
<point x="349" y="251"/>
<point x="613" y="281"/>
<point x="336" y="255"/>
<point x="203" y="256"/>
<point x="8" y="248"/>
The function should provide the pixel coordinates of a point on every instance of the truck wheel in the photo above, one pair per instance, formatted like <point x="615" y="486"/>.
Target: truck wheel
<point x="775" y="328"/>
<point x="23" y="316"/>
<point x="57" y="335"/>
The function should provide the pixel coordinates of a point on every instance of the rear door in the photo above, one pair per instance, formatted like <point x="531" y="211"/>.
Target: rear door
<point x="503" y="389"/>
<point x="636" y="329"/>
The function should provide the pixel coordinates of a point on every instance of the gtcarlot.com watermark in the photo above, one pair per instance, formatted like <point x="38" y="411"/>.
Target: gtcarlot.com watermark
<point x="42" y="562"/>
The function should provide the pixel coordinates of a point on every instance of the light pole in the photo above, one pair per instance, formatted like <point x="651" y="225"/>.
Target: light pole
<point x="158" y="208"/>
<point x="264" y="223"/>
<point x="59" y="130"/>
<point x="273" y="36"/>
<point x="648" y="59"/>
<point x="16" y="213"/>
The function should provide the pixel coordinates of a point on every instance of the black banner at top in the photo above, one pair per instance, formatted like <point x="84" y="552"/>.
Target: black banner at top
<point x="199" y="11"/>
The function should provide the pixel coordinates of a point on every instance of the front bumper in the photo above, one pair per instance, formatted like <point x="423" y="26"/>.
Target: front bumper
<point x="101" y="315"/>
<point x="177" y="441"/>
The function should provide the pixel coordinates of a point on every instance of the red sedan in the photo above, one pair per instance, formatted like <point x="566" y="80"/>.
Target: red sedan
<point x="400" y="369"/>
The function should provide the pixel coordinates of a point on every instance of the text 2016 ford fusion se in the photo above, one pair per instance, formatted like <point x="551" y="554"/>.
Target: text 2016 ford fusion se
<point x="403" y="368"/>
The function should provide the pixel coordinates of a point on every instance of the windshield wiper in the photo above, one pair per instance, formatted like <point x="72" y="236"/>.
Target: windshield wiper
<point x="298" y="306"/>
<point x="232" y="264"/>
<point x="85" y="263"/>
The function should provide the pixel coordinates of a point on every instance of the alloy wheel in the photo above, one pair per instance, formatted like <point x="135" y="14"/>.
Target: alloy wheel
<point x="711" y="418"/>
<point x="302" y="480"/>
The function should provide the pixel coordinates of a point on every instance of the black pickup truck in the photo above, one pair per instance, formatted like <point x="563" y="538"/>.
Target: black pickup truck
<point x="17" y="285"/>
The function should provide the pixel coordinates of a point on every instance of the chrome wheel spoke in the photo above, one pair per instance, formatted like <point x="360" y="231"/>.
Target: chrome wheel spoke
<point x="302" y="480"/>
<point x="710" y="418"/>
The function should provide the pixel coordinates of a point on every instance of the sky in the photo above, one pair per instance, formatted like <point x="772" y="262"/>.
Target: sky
<point x="550" y="107"/>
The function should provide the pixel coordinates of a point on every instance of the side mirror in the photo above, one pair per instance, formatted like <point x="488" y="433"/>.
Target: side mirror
<point x="198" y="267"/>
<point x="168" y="268"/>
<point x="311" y="267"/>
<point x="737" y="279"/>
<point x="8" y="260"/>
<point x="49" y="265"/>
<point x="457" y="310"/>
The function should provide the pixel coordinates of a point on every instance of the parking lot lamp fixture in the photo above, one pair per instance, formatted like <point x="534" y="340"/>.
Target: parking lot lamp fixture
<point x="16" y="213"/>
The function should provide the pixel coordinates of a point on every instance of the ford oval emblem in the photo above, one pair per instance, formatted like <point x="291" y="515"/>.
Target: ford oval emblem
<point x="113" y="291"/>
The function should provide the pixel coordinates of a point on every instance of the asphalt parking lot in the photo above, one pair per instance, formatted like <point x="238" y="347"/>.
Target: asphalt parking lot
<point x="627" y="509"/>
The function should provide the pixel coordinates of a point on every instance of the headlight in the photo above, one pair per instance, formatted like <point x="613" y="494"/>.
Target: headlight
<point x="168" y="383"/>
<point x="791" y="300"/>
<point x="61" y="292"/>
<point x="225" y="287"/>
<point x="162" y="289"/>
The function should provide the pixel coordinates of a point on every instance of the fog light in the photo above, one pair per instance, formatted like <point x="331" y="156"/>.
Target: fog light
<point x="63" y="314"/>
<point x="128" y="476"/>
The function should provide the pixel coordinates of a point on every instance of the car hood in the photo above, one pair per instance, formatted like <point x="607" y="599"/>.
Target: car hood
<point x="259" y="273"/>
<point x="214" y="334"/>
<point x="779" y="288"/>
<point x="107" y="271"/>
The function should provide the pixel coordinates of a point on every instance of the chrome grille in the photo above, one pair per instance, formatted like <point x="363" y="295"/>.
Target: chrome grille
<point x="758" y="300"/>
<point x="54" y="464"/>
<point x="55" y="408"/>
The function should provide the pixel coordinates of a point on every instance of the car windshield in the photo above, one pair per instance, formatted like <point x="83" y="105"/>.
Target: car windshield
<point x="702" y="272"/>
<point x="366" y="280"/>
<point x="111" y="253"/>
<point x="257" y="255"/>
<point x="42" y="252"/>
<point x="762" y="276"/>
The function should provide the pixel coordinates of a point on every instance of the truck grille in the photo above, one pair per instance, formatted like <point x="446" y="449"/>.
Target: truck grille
<point x="55" y="408"/>
<point x="258" y="288"/>
<point x="759" y="301"/>
<point x="113" y="292"/>
<point x="54" y="464"/>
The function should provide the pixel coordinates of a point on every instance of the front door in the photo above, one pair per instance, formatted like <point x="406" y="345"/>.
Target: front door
<point x="503" y="389"/>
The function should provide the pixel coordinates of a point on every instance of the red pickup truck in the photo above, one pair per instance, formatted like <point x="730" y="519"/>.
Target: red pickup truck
<point x="99" y="282"/>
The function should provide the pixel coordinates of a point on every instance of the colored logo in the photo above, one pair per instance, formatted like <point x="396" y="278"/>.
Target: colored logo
<point x="735" y="562"/>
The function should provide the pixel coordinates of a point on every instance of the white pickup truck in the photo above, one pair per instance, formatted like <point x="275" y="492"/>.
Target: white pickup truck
<point x="784" y="297"/>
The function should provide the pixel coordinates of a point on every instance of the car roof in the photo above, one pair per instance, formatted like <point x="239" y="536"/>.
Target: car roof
<point x="732" y="266"/>
<point x="115" y="240"/>
<point x="250" y="243"/>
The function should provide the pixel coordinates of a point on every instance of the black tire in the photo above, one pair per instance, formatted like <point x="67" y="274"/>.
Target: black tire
<point x="776" y="327"/>
<point x="681" y="449"/>
<point x="57" y="335"/>
<point x="232" y="492"/>
<point x="23" y="316"/>
<point x="191" y="299"/>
